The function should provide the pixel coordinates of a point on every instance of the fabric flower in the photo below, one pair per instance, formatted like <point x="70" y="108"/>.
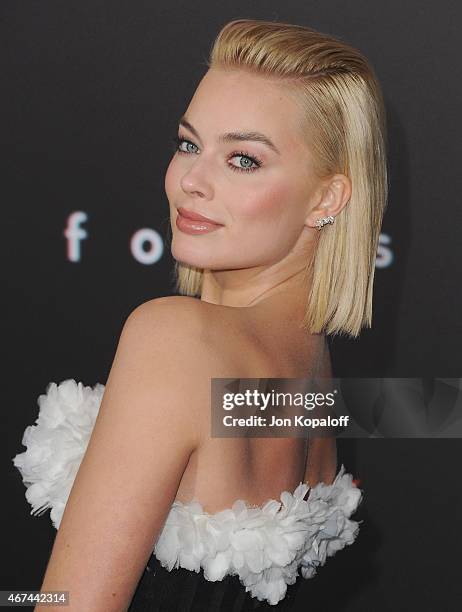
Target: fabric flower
<point x="265" y="546"/>
<point x="56" y="444"/>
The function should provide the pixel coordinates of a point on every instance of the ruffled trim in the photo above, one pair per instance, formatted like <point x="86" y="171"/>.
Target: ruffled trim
<point x="56" y="444"/>
<point x="265" y="545"/>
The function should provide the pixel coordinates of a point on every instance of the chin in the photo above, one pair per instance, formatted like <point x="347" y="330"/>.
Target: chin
<point x="187" y="257"/>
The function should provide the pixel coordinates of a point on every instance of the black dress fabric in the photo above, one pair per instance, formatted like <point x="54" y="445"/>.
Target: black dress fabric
<point x="182" y="590"/>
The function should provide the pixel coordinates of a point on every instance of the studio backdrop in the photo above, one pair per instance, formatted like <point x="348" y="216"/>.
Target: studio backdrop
<point x="91" y="98"/>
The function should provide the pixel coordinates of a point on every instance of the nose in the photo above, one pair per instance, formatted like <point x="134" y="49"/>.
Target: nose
<point x="195" y="182"/>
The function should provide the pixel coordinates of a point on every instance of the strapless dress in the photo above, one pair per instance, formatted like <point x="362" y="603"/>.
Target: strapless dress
<point x="242" y="558"/>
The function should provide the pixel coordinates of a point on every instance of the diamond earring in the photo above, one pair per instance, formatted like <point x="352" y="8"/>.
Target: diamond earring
<point x="321" y="222"/>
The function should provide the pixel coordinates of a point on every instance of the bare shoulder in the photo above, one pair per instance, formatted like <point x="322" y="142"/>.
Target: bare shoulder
<point x="212" y="338"/>
<point x="161" y="355"/>
<point x="171" y="344"/>
<point x="183" y="329"/>
<point x="175" y="308"/>
<point x="171" y="317"/>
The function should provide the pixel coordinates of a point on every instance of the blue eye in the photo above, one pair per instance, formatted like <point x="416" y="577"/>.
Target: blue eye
<point x="252" y="160"/>
<point x="177" y="141"/>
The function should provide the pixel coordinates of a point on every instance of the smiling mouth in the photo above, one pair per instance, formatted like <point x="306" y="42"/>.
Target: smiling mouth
<point x="195" y="226"/>
<point x="189" y="214"/>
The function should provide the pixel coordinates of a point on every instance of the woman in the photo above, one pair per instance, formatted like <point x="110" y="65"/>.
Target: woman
<point x="277" y="189"/>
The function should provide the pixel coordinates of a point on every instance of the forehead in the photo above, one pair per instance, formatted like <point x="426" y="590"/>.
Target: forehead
<point x="236" y="100"/>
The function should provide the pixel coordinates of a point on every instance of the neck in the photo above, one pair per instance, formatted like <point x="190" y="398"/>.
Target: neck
<point x="244" y="288"/>
<point x="285" y="299"/>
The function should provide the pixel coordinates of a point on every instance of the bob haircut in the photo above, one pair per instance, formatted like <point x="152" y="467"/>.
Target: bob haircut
<point x="345" y="126"/>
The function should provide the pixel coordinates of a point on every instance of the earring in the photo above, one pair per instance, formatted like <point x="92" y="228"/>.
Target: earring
<point x="321" y="222"/>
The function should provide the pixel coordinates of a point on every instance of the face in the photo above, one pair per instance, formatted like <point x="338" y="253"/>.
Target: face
<point x="259" y="195"/>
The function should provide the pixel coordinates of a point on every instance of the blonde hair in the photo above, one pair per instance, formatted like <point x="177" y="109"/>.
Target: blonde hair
<point x="344" y="123"/>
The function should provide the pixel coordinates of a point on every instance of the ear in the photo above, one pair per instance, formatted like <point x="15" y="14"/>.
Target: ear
<point x="335" y="195"/>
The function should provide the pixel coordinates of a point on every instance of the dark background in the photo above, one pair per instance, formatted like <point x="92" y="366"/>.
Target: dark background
<point x="92" y="91"/>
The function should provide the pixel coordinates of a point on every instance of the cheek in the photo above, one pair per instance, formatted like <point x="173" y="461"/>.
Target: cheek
<point x="268" y="205"/>
<point x="268" y="221"/>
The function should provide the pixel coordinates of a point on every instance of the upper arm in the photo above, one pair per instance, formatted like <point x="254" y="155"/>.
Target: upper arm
<point x="146" y="429"/>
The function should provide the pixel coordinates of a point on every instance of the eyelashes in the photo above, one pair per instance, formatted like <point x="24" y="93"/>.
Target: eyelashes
<point x="177" y="141"/>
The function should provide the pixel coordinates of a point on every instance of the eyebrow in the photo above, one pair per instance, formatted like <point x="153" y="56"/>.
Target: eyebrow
<point x="232" y="136"/>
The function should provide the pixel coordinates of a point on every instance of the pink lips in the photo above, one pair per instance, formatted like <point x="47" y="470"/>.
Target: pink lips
<point x="193" y="223"/>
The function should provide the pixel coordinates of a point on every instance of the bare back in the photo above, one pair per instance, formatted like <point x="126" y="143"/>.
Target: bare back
<point x="256" y="343"/>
